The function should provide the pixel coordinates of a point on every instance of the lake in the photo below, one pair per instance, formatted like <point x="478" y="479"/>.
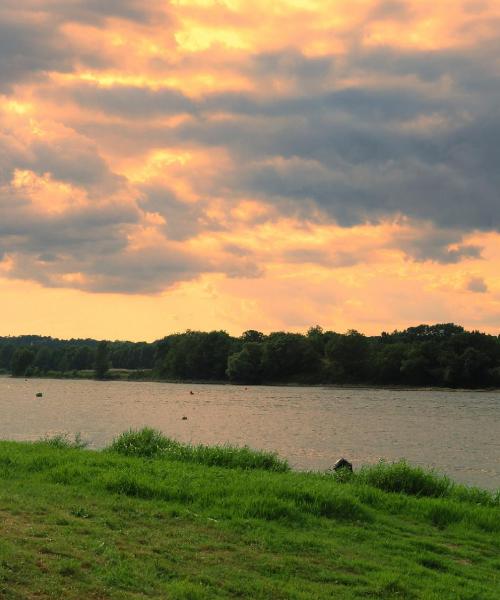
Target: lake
<point x="457" y="432"/>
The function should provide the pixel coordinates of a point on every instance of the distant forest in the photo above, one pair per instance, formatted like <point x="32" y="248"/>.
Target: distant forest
<point x="427" y="355"/>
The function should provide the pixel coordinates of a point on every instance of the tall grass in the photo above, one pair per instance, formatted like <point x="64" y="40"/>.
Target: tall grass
<point x="403" y="478"/>
<point x="150" y="443"/>
<point x="64" y="441"/>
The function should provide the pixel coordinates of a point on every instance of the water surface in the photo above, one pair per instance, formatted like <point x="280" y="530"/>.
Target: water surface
<point x="455" y="432"/>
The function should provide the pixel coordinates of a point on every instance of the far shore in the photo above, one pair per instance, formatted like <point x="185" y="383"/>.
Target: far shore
<point x="333" y="386"/>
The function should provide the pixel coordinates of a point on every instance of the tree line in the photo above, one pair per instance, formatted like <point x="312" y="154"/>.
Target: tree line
<point x="426" y="355"/>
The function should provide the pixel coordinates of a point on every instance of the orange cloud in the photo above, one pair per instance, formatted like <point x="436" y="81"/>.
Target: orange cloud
<point x="220" y="163"/>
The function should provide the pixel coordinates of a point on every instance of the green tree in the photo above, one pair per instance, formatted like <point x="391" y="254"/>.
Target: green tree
<point x="101" y="365"/>
<point x="475" y="368"/>
<point x="289" y="357"/>
<point x="252" y="335"/>
<point x="348" y="356"/>
<point x="387" y="360"/>
<point x="82" y="359"/>
<point x="43" y="359"/>
<point x="246" y="366"/>
<point x="22" y="359"/>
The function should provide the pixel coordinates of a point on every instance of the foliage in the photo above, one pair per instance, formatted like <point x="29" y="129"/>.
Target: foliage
<point x="426" y="355"/>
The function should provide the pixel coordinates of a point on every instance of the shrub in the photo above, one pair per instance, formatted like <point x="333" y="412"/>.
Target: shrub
<point x="146" y="442"/>
<point x="150" y="443"/>
<point x="404" y="478"/>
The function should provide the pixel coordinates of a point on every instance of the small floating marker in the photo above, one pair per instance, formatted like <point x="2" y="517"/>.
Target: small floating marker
<point x="39" y="395"/>
<point x="184" y="418"/>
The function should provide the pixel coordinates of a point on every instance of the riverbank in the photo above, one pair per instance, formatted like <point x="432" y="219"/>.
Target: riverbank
<point x="81" y="524"/>
<point x="146" y="376"/>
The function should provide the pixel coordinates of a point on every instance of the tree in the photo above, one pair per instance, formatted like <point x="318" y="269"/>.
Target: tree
<point x="289" y="357"/>
<point x="101" y="365"/>
<point x="317" y="338"/>
<point x="252" y="335"/>
<point x="416" y="368"/>
<point x="475" y="368"/>
<point x="387" y="362"/>
<point x="82" y="359"/>
<point x="43" y="359"/>
<point x="348" y="356"/>
<point x="246" y="366"/>
<point x="22" y="359"/>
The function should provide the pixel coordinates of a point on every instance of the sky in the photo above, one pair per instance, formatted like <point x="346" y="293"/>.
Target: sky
<point x="227" y="164"/>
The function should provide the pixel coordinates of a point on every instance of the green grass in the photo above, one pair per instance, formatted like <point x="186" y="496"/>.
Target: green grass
<point x="149" y="443"/>
<point x="78" y="524"/>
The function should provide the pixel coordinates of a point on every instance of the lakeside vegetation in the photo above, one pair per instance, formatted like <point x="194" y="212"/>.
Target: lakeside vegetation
<point x="141" y="520"/>
<point x="441" y="355"/>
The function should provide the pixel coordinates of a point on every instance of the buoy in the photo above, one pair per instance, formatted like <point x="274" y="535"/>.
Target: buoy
<point x="39" y="395"/>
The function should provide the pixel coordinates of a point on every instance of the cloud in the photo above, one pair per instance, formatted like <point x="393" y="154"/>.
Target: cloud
<point x="133" y="101"/>
<point x="424" y="243"/>
<point x="94" y="11"/>
<point x="383" y="114"/>
<point x="182" y="220"/>
<point x="477" y="285"/>
<point x="390" y="9"/>
<point x="322" y="257"/>
<point x="29" y="49"/>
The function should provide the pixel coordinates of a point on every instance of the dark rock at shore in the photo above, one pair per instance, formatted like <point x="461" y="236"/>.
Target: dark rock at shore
<point x="342" y="463"/>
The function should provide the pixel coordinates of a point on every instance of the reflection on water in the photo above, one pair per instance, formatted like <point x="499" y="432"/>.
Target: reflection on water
<point x="456" y="432"/>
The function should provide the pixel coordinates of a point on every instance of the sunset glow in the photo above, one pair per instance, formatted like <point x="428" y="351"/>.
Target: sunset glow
<point x="221" y="164"/>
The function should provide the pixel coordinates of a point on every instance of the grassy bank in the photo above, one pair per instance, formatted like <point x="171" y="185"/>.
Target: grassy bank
<point x="152" y="518"/>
